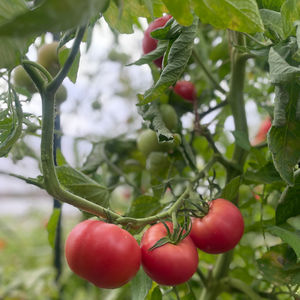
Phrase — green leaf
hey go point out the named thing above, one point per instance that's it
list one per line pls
(290, 12)
(289, 203)
(152, 114)
(279, 266)
(280, 70)
(52, 225)
(140, 285)
(238, 15)
(63, 55)
(60, 159)
(273, 24)
(52, 16)
(231, 189)
(180, 10)
(287, 236)
(284, 141)
(179, 55)
(144, 206)
(156, 294)
(149, 57)
(266, 175)
(10, 133)
(83, 186)
(241, 139)
(124, 19)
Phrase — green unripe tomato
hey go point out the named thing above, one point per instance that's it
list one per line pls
(157, 162)
(147, 142)
(169, 116)
(61, 95)
(22, 79)
(48, 57)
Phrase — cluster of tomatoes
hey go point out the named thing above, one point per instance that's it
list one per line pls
(109, 256)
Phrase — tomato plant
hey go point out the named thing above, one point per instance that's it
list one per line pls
(149, 43)
(102, 253)
(220, 230)
(129, 129)
(170, 264)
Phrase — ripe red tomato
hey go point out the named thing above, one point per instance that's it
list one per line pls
(262, 132)
(186, 90)
(149, 43)
(220, 230)
(102, 253)
(169, 264)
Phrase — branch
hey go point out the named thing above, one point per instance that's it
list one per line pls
(241, 286)
(58, 79)
(207, 73)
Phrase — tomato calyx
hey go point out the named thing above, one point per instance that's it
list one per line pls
(174, 237)
(201, 210)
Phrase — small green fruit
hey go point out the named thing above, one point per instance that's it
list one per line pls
(169, 116)
(22, 79)
(61, 95)
(157, 162)
(48, 57)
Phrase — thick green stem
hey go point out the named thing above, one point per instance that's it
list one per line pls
(237, 105)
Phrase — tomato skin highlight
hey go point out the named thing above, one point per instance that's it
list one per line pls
(102, 253)
(169, 264)
(149, 43)
(186, 90)
(220, 230)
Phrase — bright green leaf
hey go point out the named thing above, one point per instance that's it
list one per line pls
(238, 15)
(180, 10)
(123, 20)
(52, 226)
(290, 12)
(140, 285)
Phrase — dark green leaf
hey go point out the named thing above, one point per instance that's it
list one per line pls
(144, 206)
(140, 285)
(52, 225)
(279, 266)
(280, 71)
(284, 141)
(273, 24)
(267, 175)
(178, 57)
(83, 186)
(289, 204)
(287, 236)
(231, 189)
(52, 16)
(238, 15)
